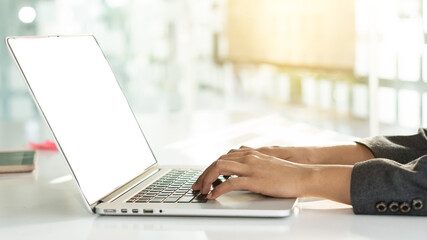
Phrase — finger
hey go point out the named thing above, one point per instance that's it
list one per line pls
(247, 160)
(232, 184)
(232, 150)
(240, 153)
(242, 148)
(237, 156)
(245, 147)
(222, 167)
(198, 184)
(234, 154)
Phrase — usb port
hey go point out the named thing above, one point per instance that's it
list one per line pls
(124, 210)
(134, 210)
(148, 211)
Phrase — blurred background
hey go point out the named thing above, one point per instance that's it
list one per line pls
(353, 66)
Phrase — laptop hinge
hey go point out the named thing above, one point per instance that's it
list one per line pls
(129, 185)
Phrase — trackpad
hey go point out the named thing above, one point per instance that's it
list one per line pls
(241, 196)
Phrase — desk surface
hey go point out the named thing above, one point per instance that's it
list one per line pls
(46, 204)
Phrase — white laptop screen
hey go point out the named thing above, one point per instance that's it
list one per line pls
(82, 102)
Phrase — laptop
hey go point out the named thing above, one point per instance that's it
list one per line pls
(96, 131)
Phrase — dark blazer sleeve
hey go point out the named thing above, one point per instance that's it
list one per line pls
(402, 149)
(395, 182)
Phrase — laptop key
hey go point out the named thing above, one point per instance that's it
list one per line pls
(146, 197)
(156, 200)
(150, 194)
(185, 199)
(170, 200)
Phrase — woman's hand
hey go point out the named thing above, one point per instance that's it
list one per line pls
(257, 172)
(269, 175)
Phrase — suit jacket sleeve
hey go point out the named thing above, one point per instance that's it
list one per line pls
(402, 149)
(395, 182)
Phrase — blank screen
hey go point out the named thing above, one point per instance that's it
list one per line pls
(87, 112)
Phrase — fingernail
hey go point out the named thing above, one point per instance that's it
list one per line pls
(209, 196)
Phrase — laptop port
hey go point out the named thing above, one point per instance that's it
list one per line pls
(110, 210)
(135, 211)
(124, 210)
(148, 211)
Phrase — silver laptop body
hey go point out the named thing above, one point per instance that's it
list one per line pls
(96, 131)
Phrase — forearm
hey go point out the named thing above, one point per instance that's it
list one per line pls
(342, 154)
(329, 182)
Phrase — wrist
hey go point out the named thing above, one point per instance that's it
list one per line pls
(310, 174)
(327, 181)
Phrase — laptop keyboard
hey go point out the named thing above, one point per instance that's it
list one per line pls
(174, 187)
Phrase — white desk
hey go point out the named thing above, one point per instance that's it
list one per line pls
(47, 205)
